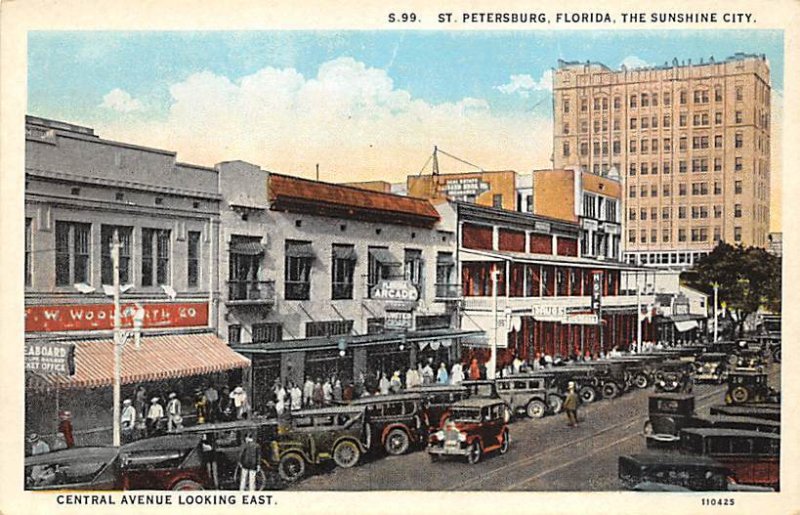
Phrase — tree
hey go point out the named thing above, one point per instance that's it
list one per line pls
(749, 278)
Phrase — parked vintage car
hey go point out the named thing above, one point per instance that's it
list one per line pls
(673, 376)
(668, 413)
(670, 472)
(475, 427)
(535, 395)
(583, 376)
(611, 376)
(746, 386)
(751, 455)
(437, 399)
(751, 358)
(696, 473)
(319, 435)
(745, 423)
(78, 468)
(169, 462)
(486, 389)
(711, 367)
(397, 421)
(765, 411)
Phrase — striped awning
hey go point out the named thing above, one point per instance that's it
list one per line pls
(158, 358)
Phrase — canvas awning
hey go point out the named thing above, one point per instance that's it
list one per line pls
(685, 325)
(344, 252)
(445, 259)
(158, 358)
(384, 256)
(300, 250)
(250, 248)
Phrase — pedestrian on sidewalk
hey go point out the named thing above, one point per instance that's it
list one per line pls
(154, 414)
(212, 398)
(308, 391)
(65, 428)
(296, 397)
(127, 421)
(249, 460)
(174, 419)
(240, 403)
(571, 405)
(141, 402)
(201, 406)
(225, 406)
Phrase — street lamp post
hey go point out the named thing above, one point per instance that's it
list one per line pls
(491, 370)
(117, 339)
(716, 311)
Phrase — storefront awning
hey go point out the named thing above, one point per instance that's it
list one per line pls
(362, 340)
(300, 250)
(385, 257)
(250, 248)
(158, 358)
(341, 252)
(685, 325)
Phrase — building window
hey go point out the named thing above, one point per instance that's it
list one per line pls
(683, 96)
(717, 188)
(737, 164)
(244, 262)
(497, 200)
(155, 256)
(737, 234)
(631, 214)
(584, 126)
(584, 149)
(681, 234)
(343, 265)
(718, 118)
(616, 124)
(28, 263)
(584, 105)
(682, 166)
(739, 93)
(737, 187)
(665, 213)
(632, 169)
(645, 100)
(267, 333)
(413, 267)
(72, 252)
(717, 234)
(644, 146)
(381, 262)
(654, 190)
(234, 334)
(667, 99)
(193, 258)
(718, 141)
(645, 123)
(643, 213)
(565, 149)
(107, 268)
(632, 192)
(738, 118)
(682, 143)
(738, 140)
(597, 104)
(633, 123)
(667, 121)
(653, 236)
(643, 169)
(666, 166)
(682, 119)
(665, 235)
(376, 325)
(328, 328)
(631, 236)
(617, 102)
(566, 105)
(682, 212)
(718, 94)
(615, 146)
(643, 190)
(667, 190)
(632, 146)
(737, 210)
(717, 211)
(633, 101)
(596, 149)
(297, 276)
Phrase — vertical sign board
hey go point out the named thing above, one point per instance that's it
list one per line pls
(597, 290)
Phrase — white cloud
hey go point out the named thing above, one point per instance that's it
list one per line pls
(523, 84)
(121, 101)
(349, 118)
(633, 61)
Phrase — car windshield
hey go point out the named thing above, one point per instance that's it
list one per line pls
(466, 415)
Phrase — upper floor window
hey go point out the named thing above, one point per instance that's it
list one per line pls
(155, 256)
(344, 265)
(193, 258)
(299, 259)
(72, 252)
(107, 268)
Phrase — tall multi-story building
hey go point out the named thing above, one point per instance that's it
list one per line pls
(690, 141)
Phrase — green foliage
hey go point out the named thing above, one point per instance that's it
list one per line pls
(749, 278)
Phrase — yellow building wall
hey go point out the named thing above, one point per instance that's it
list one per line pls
(554, 194)
(381, 186)
(456, 186)
(600, 185)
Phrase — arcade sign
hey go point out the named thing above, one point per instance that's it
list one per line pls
(395, 290)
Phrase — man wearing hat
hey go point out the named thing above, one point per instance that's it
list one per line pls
(38, 446)
(240, 403)
(127, 420)
(174, 419)
(65, 428)
(249, 460)
(571, 405)
(154, 414)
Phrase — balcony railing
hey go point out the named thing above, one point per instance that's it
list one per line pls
(448, 291)
(251, 292)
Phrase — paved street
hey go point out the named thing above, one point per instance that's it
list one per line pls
(545, 455)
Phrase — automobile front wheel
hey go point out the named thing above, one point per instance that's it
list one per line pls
(504, 445)
(346, 454)
(641, 381)
(740, 394)
(397, 442)
(536, 409)
(610, 390)
(474, 455)
(587, 394)
(292, 467)
(186, 485)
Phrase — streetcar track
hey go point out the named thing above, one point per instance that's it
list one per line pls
(580, 458)
(527, 461)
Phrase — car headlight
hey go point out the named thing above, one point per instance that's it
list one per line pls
(662, 383)
(462, 437)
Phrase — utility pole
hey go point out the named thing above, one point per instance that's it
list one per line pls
(117, 338)
(716, 312)
(638, 316)
(491, 370)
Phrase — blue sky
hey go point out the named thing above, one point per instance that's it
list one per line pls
(363, 104)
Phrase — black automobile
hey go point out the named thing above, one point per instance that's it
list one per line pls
(486, 389)
(744, 423)
(437, 399)
(750, 386)
(78, 468)
(673, 376)
(582, 376)
(668, 413)
(397, 421)
(677, 472)
(765, 411)
(533, 394)
(711, 367)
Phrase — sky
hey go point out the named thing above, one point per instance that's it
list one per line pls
(365, 105)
